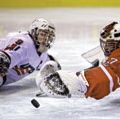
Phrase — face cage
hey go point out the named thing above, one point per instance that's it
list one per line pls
(55, 84)
(109, 46)
(49, 41)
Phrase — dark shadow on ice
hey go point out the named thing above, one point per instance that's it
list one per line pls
(17, 87)
(115, 102)
(11, 89)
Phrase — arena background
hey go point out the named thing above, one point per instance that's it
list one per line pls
(58, 3)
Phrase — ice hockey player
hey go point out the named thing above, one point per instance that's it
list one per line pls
(24, 52)
(96, 82)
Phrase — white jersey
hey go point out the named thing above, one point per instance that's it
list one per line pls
(24, 57)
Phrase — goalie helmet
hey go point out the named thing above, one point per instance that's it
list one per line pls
(110, 38)
(63, 84)
(43, 34)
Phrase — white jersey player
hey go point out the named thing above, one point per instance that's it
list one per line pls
(22, 53)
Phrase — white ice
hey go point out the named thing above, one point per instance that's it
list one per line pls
(77, 31)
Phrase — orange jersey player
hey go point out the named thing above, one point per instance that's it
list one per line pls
(95, 82)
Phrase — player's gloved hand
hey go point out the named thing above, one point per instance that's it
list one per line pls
(4, 63)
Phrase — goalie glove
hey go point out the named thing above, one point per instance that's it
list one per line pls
(4, 63)
(48, 68)
(63, 84)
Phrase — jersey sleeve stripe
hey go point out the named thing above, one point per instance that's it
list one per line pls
(109, 76)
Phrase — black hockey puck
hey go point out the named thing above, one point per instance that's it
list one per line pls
(35, 103)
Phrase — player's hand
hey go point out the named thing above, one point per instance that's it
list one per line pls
(4, 63)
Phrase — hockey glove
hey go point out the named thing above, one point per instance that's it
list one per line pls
(4, 63)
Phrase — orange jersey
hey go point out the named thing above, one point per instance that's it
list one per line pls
(104, 79)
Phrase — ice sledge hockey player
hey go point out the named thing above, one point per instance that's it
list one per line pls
(24, 52)
(95, 82)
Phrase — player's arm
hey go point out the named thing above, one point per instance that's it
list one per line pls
(17, 51)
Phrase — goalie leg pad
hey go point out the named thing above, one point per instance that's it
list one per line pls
(48, 68)
(53, 86)
(63, 84)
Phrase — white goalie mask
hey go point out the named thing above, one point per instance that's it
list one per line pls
(110, 38)
(43, 34)
(63, 84)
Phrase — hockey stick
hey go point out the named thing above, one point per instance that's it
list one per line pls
(94, 55)
(95, 63)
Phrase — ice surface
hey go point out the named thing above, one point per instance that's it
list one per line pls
(77, 31)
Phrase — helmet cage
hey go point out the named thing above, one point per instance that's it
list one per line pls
(51, 36)
(110, 38)
(42, 25)
(109, 46)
